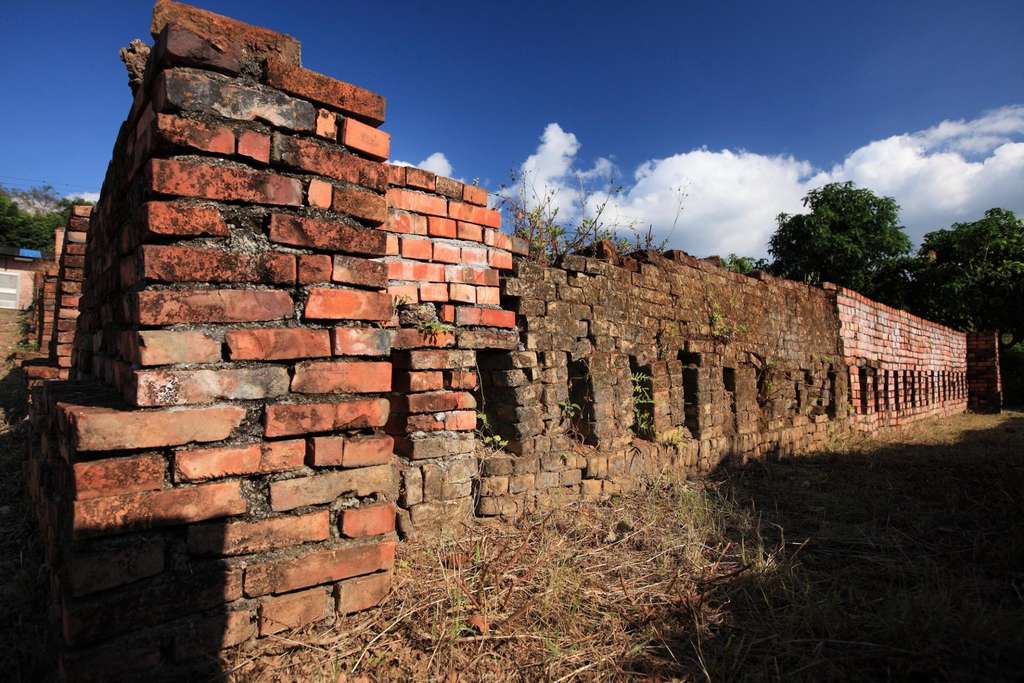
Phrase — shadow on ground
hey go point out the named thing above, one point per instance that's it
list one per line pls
(886, 561)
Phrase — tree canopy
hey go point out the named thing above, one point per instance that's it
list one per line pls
(851, 236)
(28, 218)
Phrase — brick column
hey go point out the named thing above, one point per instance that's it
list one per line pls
(984, 384)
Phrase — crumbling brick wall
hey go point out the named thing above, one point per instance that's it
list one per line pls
(901, 368)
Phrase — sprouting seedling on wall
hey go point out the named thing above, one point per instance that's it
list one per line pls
(643, 402)
(486, 434)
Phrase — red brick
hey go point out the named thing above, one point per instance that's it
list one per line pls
(497, 239)
(321, 566)
(447, 253)
(117, 514)
(488, 295)
(174, 130)
(427, 380)
(300, 231)
(417, 249)
(361, 341)
(474, 214)
(362, 204)
(348, 304)
(177, 46)
(420, 179)
(463, 293)
(181, 387)
(350, 270)
(474, 195)
(328, 486)
(356, 595)
(411, 338)
(190, 178)
(392, 245)
(417, 272)
(278, 343)
(406, 223)
(481, 277)
(367, 450)
(212, 306)
(369, 520)
(242, 538)
(419, 423)
(462, 379)
(417, 202)
(96, 571)
(295, 610)
(474, 256)
(168, 263)
(315, 268)
(321, 89)
(354, 377)
(500, 259)
(404, 294)
(307, 154)
(327, 124)
(176, 218)
(327, 451)
(440, 227)
(286, 419)
(489, 317)
(258, 458)
(440, 402)
(106, 429)
(224, 32)
(118, 475)
(433, 291)
(166, 347)
(429, 359)
(460, 420)
(366, 139)
(319, 194)
(254, 145)
(396, 175)
(468, 231)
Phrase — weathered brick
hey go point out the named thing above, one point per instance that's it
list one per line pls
(255, 146)
(351, 270)
(370, 449)
(369, 520)
(286, 419)
(283, 612)
(417, 202)
(190, 178)
(323, 377)
(323, 488)
(347, 304)
(243, 538)
(203, 92)
(447, 253)
(362, 204)
(427, 380)
(318, 567)
(95, 571)
(481, 277)
(433, 291)
(117, 514)
(309, 155)
(174, 130)
(168, 263)
(180, 387)
(474, 256)
(405, 223)
(420, 179)
(301, 231)
(278, 343)
(361, 341)
(417, 249)
(177, 46)
(327, 124)
(474, 214)
(499, 259)
(438, 360)
(324, 90)
(315, 269)
(118, 475)
(258, 458)
(411, 338)
(106, 429)
(179, 219)
(166, 347)
(475, 195)
(366, 139)
(319, 194)
(410, 270)
(364, 592)
(440, 401)
(469, 231)
(489, 317)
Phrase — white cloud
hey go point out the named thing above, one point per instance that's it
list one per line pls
(435, 163)
(87, 196)
(950, 172)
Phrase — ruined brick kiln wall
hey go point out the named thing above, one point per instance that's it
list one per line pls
(217, 470)
(901, 368)
(731, 365)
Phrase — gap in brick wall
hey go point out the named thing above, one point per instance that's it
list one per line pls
(580, 407)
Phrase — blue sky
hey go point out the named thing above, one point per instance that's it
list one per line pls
(741, 105)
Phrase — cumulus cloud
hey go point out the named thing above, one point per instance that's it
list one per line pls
(87, 196)
(950, 172)
(435, 163)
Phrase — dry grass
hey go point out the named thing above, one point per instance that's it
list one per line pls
(893, 558)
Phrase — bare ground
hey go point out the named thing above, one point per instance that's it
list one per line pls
(900, 557)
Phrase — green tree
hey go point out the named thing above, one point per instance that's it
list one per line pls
(851, 237)
(744, 265)
(28, 218)
(971, 276)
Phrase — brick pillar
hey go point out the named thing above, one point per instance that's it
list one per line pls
(70, 274)
(984, 385)
(217, 469)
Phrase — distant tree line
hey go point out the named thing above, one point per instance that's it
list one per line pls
(28, 218)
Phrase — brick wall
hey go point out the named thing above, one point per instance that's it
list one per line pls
(283, 343)
(900, 367)
(985, 386)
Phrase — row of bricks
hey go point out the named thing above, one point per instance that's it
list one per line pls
(446, 252)
(89, 619)
(406, 222)
(417, 178)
